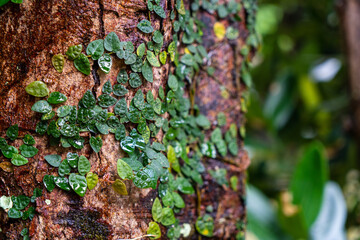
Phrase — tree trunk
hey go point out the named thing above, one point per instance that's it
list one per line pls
(32, 32)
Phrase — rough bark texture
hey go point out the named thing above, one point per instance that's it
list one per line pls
(350, 16)
(35, 30)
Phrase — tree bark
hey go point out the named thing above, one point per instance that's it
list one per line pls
(32, 33)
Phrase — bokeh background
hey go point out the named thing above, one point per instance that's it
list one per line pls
(304, 179)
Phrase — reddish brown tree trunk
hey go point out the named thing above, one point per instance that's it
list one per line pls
(35, 30)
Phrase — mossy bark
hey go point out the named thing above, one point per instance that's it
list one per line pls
(32, 32)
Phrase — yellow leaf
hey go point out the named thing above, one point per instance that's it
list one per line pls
(219, 30)
(119, 187)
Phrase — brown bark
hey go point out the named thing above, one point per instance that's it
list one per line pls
(350, 16)
(35, 30)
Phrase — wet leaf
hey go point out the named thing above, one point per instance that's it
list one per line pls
(49, 183)
(48, 116)
(208, 149)
(28, 140)
(41, 106)
(78, 184)
(106, 100)
(58, 62)
(9, 151)
(168, 217)
(135, 80)
(88, 100)
(64, 168)
(63, 111)
(72, 159)
(13, 132)
(112, 42)
(69, 130)
(154, 230)
(92, 179)
(96, 143)
(128, 144)
(18, 160)
(37, 89)
(145, 178)
(119, 187)
(145, 26)
(95, 49)
(84, 165)
(63, 183)
(205, 225)
(124, 170)
(147, 72)
(150, 56)
(82, 64)
(28, 151)
(20, 202)
(121, 107)
(74, 52)
(105, 63)
(56, 98)
(122, 77)
(54, 160)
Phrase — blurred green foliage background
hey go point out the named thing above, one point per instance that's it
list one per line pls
(299, 128)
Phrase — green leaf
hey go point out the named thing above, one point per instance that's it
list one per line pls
(121, 107)
(172, 50)
(234, 183)
(156, 210)
(158, 146)
(28, 151)
(106, 100)
(74, 52)
(84, 165)
(3, 2)
(56, 98)
(78, 184)
(13, 132)
(141, 50)
(184, 186)
(178, 201)
(69, 130)
(28, 140)
(122, 77)
(138, 99)
(161, 92)
(72, 159)
(63, 183)
(107, 88)
(187, 59)
(202, 121)
(120, 133)
(92, 179)
(145, 26)
(124, 170)
(37, 89)
(9, 151)
(147, 72)
(150, 56)
(64, 168)
(308, 181)
(20, 202)
(95, 49)
(128, 144)
(135, 80)
(171, 156)
(232, 33)
(48, 116)
(96, 143)
(120, 90)
(105, 63)
(168, 217)
(82, 64)
(208, 149)
(41, 106)
(58, 62)
(49, 183)
(13, 213)
(159, 11)
(154, 230)
(162, 57)
(180, 7)
(64, 111)
(54, 160)
(173, 82)
(205, 225)
(158, 37)
(120, 187)
(131, 59)
(112, 42)
(88, 100)
(168, 200)
(18, 160)
(145, 178)
(219, 175)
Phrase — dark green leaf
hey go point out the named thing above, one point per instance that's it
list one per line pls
(69, 130)
(28, 151)
(121, 107)
(18, 160)
(184, 185)
(20, 202)
(128, 144)
(49, 183)
(135, 80)
(120, 90)
(28, 140)
(120, 133)
(13, 213)
(107, 88)
(9, 151)
(96, 143)
(13, 132)
(173, 82)
(37, 89)
(95, 49)
(159, 11)
(82, 64)
(178, 201)
(62, 182)
(112, 42)
(56, 98)
(122, 77)
(147, 72)
(64, 168)
(48, 116)
(168, 217)
(78, 184)
(72, 159)
(88, 100)
(205, 225)
(145, 26)
(54, 160)
(145, 178)
(106, 100)
(158, 37)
